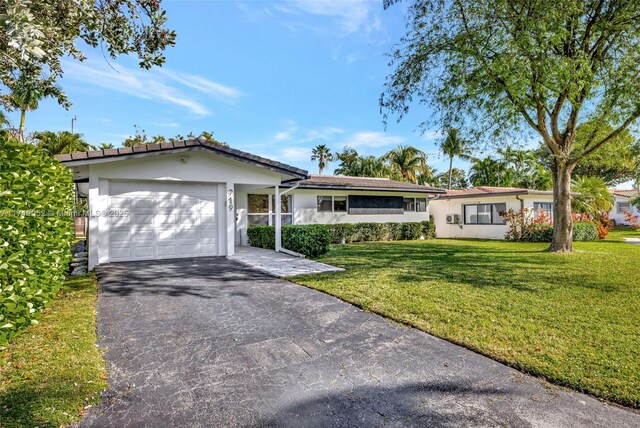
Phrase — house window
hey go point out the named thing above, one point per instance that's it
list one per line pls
(623, 206)
(484, 214)
(547, 207)
(418, 205)
(337, 204)
(261, 210)
(340, 204)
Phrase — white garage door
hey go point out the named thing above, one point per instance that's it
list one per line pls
(165, 220)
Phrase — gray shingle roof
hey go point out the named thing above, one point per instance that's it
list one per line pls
(80, 158)
(341, 182)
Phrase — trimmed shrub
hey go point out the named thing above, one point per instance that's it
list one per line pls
(362, 232)
(311, 240)
(585, 231)
(36, 203)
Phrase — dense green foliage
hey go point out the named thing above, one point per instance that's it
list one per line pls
(53, 370)
(499, 67)
(572, 319)
(310, 240)
(594, 198)
(55, 143)
(36, 221)
(36, 35)
(527, 226)
(358, 232)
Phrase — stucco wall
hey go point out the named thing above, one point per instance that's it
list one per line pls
(619, 217)
(200, 167)
(305, 209)
(440, 208)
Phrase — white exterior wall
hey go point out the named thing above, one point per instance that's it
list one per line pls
(200, 167)
(305, 209)
(440, 208)
(619, 217)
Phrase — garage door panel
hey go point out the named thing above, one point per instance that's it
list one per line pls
(120, 221)
(166, 251)
(144, 204)
(165, 220)
(143, 251)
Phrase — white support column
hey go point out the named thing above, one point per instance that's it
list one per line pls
(278, 219)
(230, 217)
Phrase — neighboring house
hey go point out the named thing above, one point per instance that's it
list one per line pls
(196, 198)
(623, 203)
(475, 212)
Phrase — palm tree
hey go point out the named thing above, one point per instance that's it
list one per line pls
(409, 162)
(594, 199)
(62, 142)
(105, 146)
(453, 146)
(323, 155)
(26, 93)
(490, 172)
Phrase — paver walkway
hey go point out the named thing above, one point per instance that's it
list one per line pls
(279, 264)
(210, 342)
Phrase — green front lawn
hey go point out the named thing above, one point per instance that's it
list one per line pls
(53, 370)
(571, 318)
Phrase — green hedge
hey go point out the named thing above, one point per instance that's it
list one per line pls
(311, 240)
(358, 232)
(543, 232)
(36, 200)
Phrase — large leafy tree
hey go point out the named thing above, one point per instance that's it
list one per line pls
(500, 65)
(408, 161)
(454, 146)
(323, 155)
(615, 162)
(36, 35)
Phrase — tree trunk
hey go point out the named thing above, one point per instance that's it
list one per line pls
(562, 241)
(23, 114)
(450, 170)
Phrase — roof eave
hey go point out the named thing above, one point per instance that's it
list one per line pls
(94, 157)
(374, 189)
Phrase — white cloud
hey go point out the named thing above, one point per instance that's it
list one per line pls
(283, 136)
(306, 135)
(431, 135)
(295, 154)
(157, 85)
(373, 139)
(211, 88)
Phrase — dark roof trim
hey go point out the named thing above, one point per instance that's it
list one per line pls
(371, 189)
(108, 155)
(510, 193)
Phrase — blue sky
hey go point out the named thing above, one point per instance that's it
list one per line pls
(274, 78)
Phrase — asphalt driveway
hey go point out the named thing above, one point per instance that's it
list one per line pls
(210, 342)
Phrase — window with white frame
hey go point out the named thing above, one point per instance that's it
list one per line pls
(547, 207)
(484, 213)
(261, 209)
(418, 205)
(336, 204)
(622, 207)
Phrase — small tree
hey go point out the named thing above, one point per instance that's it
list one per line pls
(499, 65)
